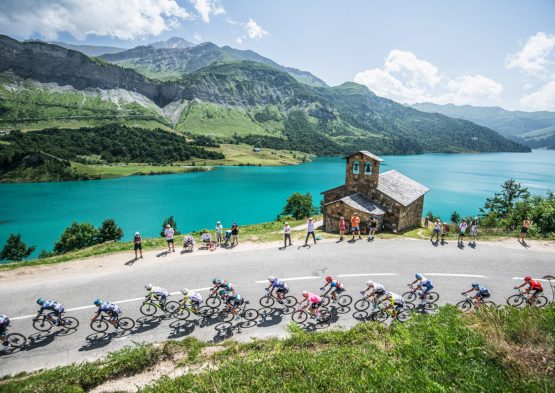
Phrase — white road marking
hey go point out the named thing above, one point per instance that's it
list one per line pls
(118, 302)
(367, 274)
(288, 279)
(522, 279)
(454, 275)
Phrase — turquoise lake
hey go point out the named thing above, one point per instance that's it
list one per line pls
(247, 195)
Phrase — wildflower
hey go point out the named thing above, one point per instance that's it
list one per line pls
(544, 359)
(485, 353)
(460, 353)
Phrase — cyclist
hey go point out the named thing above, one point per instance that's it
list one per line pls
(220, 284)
(314, 301)
(534, 286)
(335, 285)
(233, 301)
(397, 303)
(483, 293)
(159, 293)
(378, 290)
(195, 299)
(4, 323)
(424, 282)
(109, 308)
(55, 308)
(281, 288)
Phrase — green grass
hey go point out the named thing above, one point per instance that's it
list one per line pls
(496, 350)
(108, 172)
(243, 154)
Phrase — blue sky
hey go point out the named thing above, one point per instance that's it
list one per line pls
(487, 53)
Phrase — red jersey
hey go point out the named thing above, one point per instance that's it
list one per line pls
(535, 285)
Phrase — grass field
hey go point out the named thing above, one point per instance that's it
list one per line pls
(69, 123)
(243, 154)
(109, 172)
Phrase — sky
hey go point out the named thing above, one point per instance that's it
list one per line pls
(482, 53)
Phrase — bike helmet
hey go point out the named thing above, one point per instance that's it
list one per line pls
(185, 291)
(215, 281)
(418, 275)
(148, 287)
(368, 283)
(527, 278)
(40, 301)
(388, 294)
(328, 278)
(305, 293)
(475, 285)
(271, 278)
(97, 302)
(222, 292)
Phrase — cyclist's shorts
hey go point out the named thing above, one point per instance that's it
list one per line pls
(338, 290)
(484, 295)
(195, 303)
(4, 325)
(283, 290)
(314, 306)
(536, 292)
(427, 289)
(113, 316)
(379, 293)
(236, 304)
(161, 298)
(55, 313)
(399, 306)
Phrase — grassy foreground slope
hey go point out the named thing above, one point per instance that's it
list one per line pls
(497, 350)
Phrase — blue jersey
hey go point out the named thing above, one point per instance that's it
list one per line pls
(336, 284)
(50, 305)
(108, 307)
(482, 289)
(425, 282)
(279, 283)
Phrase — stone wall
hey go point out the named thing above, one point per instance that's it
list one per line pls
(412, 214)
(339, 209)
(334, 194)
(361, 182)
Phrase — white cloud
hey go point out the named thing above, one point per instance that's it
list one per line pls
(422, 83)
(239, 40)
(197, 37)
(532, 59)
(255, 31)
(542, 100)
(527, 86)
(123, 19)
(207, 7)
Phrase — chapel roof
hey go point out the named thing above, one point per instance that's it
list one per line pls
(362, 203)
(368, 154)
(400, 188)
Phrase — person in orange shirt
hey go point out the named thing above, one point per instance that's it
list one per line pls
(355, 225)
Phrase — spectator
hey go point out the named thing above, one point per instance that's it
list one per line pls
(138, 240)
(219, 229)
(463, 227)
(189, 242)
(168, 232)
(437, 227)
(310, 230)
(341, 228)
(287, 231)
(525, 225)
(373, 225)
(474, 229)
(354, 225)
(444, 229)
(426, 222)
(234, 234)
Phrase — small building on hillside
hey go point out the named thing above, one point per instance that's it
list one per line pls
(256, 150)
(395, 199)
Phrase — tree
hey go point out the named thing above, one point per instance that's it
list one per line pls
(76, 237)
(171, 222)
(299, 205)
(46, 254)
(109, 231)
(15, 250)
(455, 217)
(504, 201)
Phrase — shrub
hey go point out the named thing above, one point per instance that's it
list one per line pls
(109, 231)
(299, 205)
(15, 250)
(76, 237)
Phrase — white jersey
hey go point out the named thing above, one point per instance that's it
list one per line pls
(398, 298)
(425, 282)
(159, 291)
(378, 287)
(194, 296)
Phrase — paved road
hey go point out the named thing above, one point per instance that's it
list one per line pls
(390, 262)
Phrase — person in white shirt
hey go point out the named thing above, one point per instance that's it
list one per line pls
(310, 230)
(463, 227)
(287, 231)
(474, 229)
(219, 230)
(437, 227)
(168, 232)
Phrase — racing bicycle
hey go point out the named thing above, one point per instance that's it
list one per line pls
(431, 297)
(15, 340)
(184, 311)
(151, 306)
(520, 299)
(342, 300)
(382, 315)
(250, 314)
(468, 303)
(269, 300)
(300, 316)
(43, 324)
(101, 324)
(363, 304)
(214, 301)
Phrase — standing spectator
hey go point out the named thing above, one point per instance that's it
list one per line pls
(219, 229)
(310, 230)
(474, 229)
(168, 232)
(354, 225)
(341, 228)
(444, 230)
(235, 234)
(373, 225)
(287, 231)
(426, 222)
(525, 225)
(463, 227)
(437, 227)
(138, 240)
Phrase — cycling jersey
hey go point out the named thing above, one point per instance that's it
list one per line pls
(535, 285)
(50, 305)
(108, 308)
(194, 297)
(425, 282)
(278, 283)
(336, 284)
(397, 299)
(313, 298)
(378, 287)
(224, 285)
(482, 290)
(4, 320)
(158, 292)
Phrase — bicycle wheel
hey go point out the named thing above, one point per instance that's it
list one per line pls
(226, 316)
(70, 322)
(99, 325)
(409, 297)
(432, 297)
(325, 300)
(267, 301)
(299, 316)
(403, 316)
(250, 314)
(541, 301)
(206, 311)
(148, 309)
(326, 314)
(183, 313)
(464, 305)
(42, 325)
(362, 304)
(380, 316)
(344, 300)
(126, 323)
(16, 340)
(213, 302)
(171, 307)
(290, 301)
(515, 300)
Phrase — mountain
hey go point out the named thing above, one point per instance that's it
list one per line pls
(535, 129)
(89, 50)
(43, 85)
(173, 43)
(164, 63)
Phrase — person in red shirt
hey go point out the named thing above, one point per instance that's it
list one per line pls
(534, 286)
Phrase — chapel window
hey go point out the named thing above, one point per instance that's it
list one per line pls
(355, 167)
(368, 168)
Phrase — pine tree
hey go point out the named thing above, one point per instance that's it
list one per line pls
(171, 222)
(15, 250)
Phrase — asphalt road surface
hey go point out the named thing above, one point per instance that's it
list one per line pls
(392, 263)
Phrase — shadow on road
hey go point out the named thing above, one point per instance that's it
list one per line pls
(270, 317)
(96, 341)
(145, 324)
(42, 339)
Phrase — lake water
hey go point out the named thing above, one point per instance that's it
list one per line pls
(247, 195)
